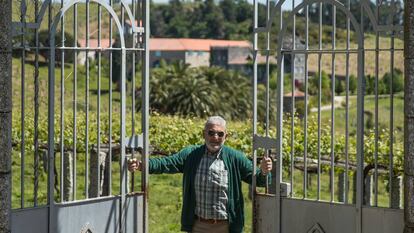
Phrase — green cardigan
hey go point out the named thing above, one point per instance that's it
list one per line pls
(187, 160)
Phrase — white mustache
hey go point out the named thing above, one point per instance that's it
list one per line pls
(214, 143)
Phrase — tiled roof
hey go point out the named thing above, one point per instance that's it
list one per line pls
(179, 44)
(187, 44)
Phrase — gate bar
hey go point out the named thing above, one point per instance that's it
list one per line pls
(292, 100)
(254, 92)
(319, 100)
(98, 167)
(332, 175)
(62, 107)
(145, 108)
(22, 96)
(348, 35)
(391, 146)
(75, 94)
(5, 114)
(36, 97)
(87, 103)
(409, 116)
(305, 121)
(110, 100)
(376, 111)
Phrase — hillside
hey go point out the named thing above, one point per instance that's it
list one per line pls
(167, 20)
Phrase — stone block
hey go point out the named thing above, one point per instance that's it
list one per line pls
(409, 200)
(5, 142)
(5, 82)
(409, 86)
(409, 147)
(5, 202)
(409, 28)
(5, 23)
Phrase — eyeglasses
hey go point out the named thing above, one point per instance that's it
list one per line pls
(211, 133)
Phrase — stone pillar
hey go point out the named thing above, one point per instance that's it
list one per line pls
(97, 159)
(5, 115)
(409, 116)
(68, 178)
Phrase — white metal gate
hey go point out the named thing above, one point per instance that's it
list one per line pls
(338, 150)
(82, 68)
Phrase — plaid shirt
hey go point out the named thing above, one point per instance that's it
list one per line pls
(211, 187)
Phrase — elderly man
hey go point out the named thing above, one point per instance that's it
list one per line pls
(212, 175)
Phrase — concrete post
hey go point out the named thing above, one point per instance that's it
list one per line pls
(367, 190)
(68, 178)
(409, 116)
(341, 186)
(96, 180)
(396, 192)
(5, 115)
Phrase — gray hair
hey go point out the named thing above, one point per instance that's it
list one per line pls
(215, 120)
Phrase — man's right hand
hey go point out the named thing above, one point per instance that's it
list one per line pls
(134, 164)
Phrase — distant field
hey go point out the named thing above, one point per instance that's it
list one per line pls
(384, 58)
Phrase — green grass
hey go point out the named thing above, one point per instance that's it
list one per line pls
(325, 190)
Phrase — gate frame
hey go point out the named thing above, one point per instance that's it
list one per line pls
(265, 142)
(50, 210)
(51, 111)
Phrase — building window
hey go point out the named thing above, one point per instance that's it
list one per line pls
(158, 53)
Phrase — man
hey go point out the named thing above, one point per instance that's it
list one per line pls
(212, 175)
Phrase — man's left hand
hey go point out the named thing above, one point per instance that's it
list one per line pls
(266, 165)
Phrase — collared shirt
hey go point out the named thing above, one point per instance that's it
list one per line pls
(211, 187)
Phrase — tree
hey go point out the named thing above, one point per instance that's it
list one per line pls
(180, 89)
(369, 85)
(339, 87)
(352, 84)
(325, 86)
(397, 81)
(229, 9)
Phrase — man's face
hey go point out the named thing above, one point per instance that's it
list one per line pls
(214, 136)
